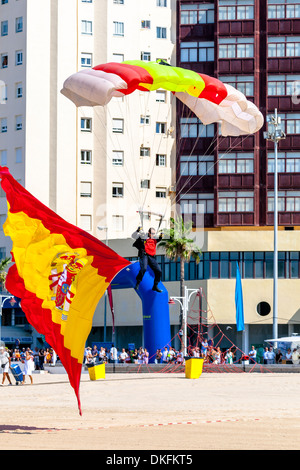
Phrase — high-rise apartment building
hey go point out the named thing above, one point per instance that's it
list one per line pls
(95, 167)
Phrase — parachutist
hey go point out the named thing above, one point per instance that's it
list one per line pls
(146, 245)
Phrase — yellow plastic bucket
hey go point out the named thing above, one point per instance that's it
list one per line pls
(97, 372)
(193, 367)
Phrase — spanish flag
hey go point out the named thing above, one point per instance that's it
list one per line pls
(60, 272)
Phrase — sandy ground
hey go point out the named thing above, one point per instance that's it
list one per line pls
(247, 411)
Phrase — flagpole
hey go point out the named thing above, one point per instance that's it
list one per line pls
(105, 294)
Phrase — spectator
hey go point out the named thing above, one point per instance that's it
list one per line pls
(41, 358)
(295, 356)
(146, 356)
(204, 347)
(252, 355)
(229, 357)
(95, 351)
(271, 356)
(123, 356)
(113, 354)
(266, 355)
(288, 357)
(170, 355)
(36, 358)
(164, 357)
(102, 355)
(278, 357)
(134, 356)
(28, 365)
(158, 356)
(5, 361)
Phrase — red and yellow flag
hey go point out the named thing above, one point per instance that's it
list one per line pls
(60, 272)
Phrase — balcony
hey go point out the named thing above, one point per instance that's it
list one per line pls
(284, 26)
(284, 218)
(238, 66)
(284, 65)
(235, 218)
(236, 27)
(236, 181)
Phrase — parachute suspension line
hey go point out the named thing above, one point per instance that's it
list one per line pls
(159, 145)
(129, 133)
(127, 170)
(132, 195)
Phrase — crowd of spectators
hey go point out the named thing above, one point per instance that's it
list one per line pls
(40, 356)
(166, 355)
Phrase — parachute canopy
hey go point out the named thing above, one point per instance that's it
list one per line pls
(210, 99)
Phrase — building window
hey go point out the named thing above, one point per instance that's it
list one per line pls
(195, 51)
(4, 28)
(146, 56)
(118, 223)
(3, 92)
(288, 201)
(19, 57)
(161, 33)
(236, 163)
(145, 24)
(86, 27)
(283, 9)
(86, 124)
(87, 1)
(192, 127)
(86, 157)
(117, 190)
(3, 157)
(145, 184)
(118, 126)
(85, 189)
(3, 127)
(236, 10)
(283, 85)
(160, 96)
(194, 165)
(232, 48)
(236, 201)
(19, 24)
(118, 57)
(145, 119)
(161, 159)
(161, 3)
(161, 127)
(19, 90)
(197, 13)
(86, 59)
(19, 123)
(144, 152)
(118, 28)
(287, 162)
(284, 46)
(3, 2)
(161, 193)
(197, 203)
(118, 158)
(243, 83)
(118, 2)
(86, 222)
(4, 61)
(290, 123)
(19, 155)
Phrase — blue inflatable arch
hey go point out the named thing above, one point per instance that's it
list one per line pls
(156, 316)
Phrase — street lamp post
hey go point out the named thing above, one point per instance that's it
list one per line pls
(184, 303)
(275, 135)
(3, 298)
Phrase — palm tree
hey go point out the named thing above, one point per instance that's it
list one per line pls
(178, 243)
(3, 265)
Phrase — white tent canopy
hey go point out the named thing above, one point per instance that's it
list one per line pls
(285, 339)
